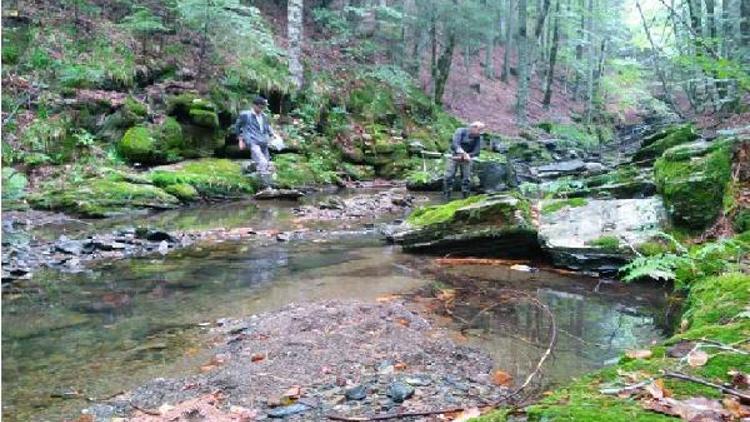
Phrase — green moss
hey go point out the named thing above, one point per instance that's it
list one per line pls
(440, 213)
(212, 178)
(373, 103)
(652, 248)
(557, 205)
(492, 156)
(183, 191)
(657, 144)
(204, 118)
(608, 243)
(170, 133)
(693, 189)
(135, 107)
(741, 221)
(99, 197)
(138, 146)
(717, 300)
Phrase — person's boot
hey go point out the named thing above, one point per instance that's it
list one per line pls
(446, 192)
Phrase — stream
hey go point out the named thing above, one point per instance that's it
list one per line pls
(93, 334)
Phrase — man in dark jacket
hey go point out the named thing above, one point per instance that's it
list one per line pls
(254, 131)
(465, 146)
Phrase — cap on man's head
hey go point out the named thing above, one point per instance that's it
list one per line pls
(477, 124)
(260, 101)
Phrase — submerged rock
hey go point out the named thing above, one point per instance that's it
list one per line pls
(292, 409)
(483, 225)
(598, 235)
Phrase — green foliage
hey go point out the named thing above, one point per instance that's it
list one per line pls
(143, 23)
(683, 265)
(14, 184)
(204, 118)
(656, 144)
(717, 300)
(138, 146)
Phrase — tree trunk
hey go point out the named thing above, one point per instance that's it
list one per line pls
(508, 42)
(745, 23)
(579, 50)
(590, 56)
(433, 51)
(523, 65)
(659, 73)
(444, 68)
(294, 33)
(552, 58)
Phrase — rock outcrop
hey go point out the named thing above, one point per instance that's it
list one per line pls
(483, 225)
(598, 235)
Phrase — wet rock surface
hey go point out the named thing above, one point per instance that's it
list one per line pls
(307, 362)
(599, 235)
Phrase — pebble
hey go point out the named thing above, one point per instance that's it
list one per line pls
(398, 391)
(292, 409)
(358, 392)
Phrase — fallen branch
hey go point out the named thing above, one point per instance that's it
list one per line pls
(386, 416)
(723, 389)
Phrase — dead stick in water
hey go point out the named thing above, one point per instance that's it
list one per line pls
(723, 389)
(478, 261)
(386, 416)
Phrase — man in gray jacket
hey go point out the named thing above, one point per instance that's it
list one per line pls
(254, 131)
(465, 146)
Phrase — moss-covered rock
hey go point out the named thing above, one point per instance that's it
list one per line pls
(482, 225)
(693, 187)
(211, 178)
(297, 171)
(183, 191)
(139, 146)
(653, 146)
(358, 172)
(102, 197)
(204, 118)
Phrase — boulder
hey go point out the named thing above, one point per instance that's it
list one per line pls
(653, 146)
(598, 234)
(693, 178)
(482, 225)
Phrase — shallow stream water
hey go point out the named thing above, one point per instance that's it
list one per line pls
(108, 329)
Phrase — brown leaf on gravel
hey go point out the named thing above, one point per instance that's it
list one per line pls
(257, 357)
(638, 354)
(403, 321)
(697, 358)
(201, 408)
(502, 378)
(293, 392)
(400, 366)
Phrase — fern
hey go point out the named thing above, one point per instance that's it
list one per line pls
(657, 267)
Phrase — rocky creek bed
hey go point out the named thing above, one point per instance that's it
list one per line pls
(349, 359)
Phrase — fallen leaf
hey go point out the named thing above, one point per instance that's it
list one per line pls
(446, 295)
(733, 405)
(692, 409)
(257, 357)
(467, 414)
(400, 366)
(502, 378)
(681, 349)
(403, 321)
(294, 392)
(697, 358)
(207, 368)
(639, 354)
